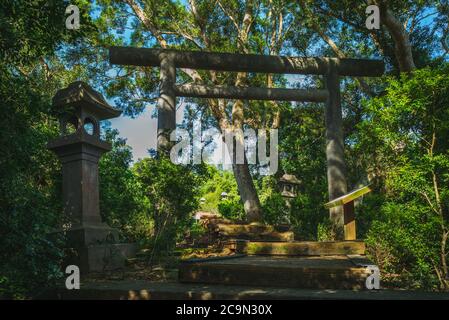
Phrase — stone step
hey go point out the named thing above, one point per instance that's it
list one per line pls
(152, 290)
(328, 272)
(132, 261)
(297, 248)
(252, 232)
(143, 252)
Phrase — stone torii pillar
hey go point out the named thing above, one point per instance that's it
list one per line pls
(166, 104)
(335, 153)
(94, 243)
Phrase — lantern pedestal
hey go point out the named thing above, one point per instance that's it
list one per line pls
(92, 244)
(100, 257)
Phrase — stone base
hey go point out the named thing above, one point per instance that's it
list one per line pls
(253, 232)
(90, 234)
(102, 257)
(297, 248)
(157, 290)
(93, 247)
(308, 272)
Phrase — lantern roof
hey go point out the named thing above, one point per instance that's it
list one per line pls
(80, 95)
(290, 178)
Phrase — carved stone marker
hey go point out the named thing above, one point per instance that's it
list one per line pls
(80, 109)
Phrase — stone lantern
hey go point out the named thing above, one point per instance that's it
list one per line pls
(289, 186)
(79, 148)
(224, 195)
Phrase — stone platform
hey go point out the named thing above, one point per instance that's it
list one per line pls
(100, 257)
(297, 248)
(146, 290)
(253, 231)
(299, 273)
(325, 272)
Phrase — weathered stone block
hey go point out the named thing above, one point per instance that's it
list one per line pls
(102, 257)
(252, 232)
(333, 272)
(299, 248)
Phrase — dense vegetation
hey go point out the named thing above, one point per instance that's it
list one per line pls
(396, 127)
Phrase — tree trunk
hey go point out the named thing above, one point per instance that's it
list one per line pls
(247, 192)
(242, 175)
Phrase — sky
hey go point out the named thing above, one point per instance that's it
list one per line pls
(141, 132)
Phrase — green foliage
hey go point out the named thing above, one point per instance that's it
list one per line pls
(405, 140)
(196, 230)
(231, 209)
(402, 141)
(29, 182)
(122, 201)
(172, 196)
(302, 146)
(273, 204)
(211, 190)
(30, 29)
(404, 241)
(325, 231)
(30, 198)
(274, 209)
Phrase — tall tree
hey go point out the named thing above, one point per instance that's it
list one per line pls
(230, 26)
(411, 31)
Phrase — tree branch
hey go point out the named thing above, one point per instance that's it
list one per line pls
(403, 48)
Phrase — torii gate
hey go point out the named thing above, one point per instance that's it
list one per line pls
(331, 68)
